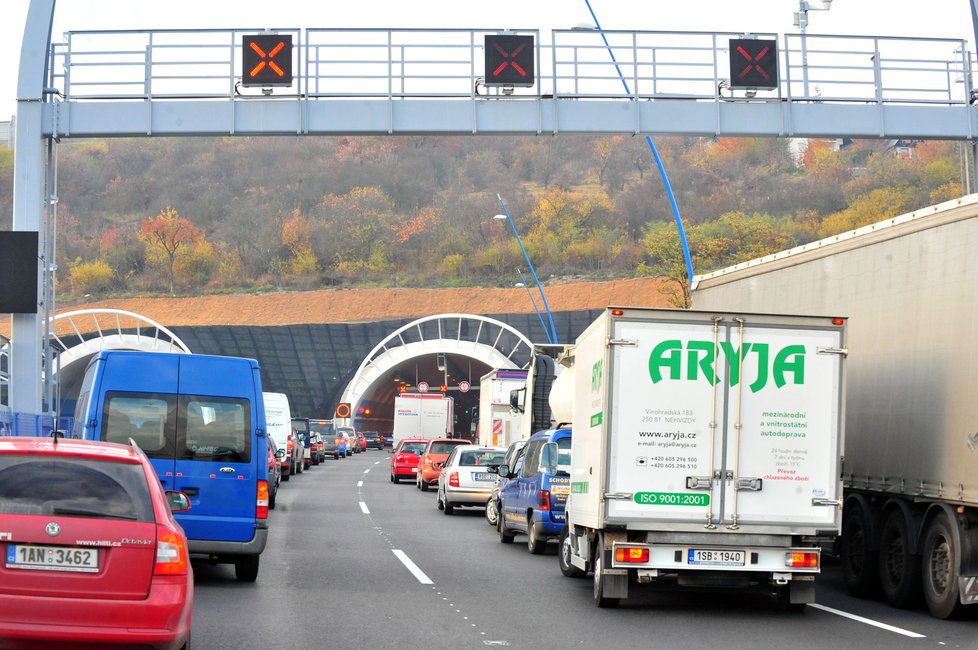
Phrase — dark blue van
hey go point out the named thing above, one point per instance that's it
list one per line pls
(201, 421)
(534, 497)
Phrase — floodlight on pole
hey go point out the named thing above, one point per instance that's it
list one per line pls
(801, 22)
(543, 297)
(522, 285)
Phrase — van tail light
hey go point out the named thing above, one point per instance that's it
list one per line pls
(544, 500)
(801, 560)
(336, 441)
(453, 479)
(632, 554)
(171, 553)
(262, 500)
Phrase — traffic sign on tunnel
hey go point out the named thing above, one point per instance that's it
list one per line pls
(266, 60)
(753, 63)
(509, 60)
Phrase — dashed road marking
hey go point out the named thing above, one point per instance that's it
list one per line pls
(412, 567)
(867, 621)
(359, 483)
(363, 508)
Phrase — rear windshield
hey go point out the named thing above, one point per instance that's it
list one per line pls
(193, 427)
(413, 447)
(75, 488)
(444, 447)
(323, 428)
(481, 458)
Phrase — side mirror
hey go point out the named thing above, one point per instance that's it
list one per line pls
(503, 470)
(280, 453)
(178, 501)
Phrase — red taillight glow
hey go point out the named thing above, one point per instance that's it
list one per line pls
(544, 500)
(171, 553)
(838, 322)
(261, 511)
(336, 441)
(617, 312)
(453, 479)
(633, 554)
(801, 560)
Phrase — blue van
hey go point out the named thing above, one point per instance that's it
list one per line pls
(201, 421)
(534, 497)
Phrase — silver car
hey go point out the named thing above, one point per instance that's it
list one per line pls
(467, 476)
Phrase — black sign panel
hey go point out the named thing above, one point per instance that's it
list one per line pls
(509, 60)
(266, 60)
(18, 272)
(753, 63)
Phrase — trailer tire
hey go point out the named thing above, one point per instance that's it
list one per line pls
(564, 555)
(860, 565)
(939, 568)
(599, 598)
(899, 569)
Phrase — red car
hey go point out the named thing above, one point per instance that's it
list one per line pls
(432, 458)
(91, 554)
(404, 458)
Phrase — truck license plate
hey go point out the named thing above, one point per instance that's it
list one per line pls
(713, 557)
(52, 558)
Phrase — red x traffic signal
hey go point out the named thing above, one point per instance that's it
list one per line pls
(509, 60)
(753, 63)
(266, 60)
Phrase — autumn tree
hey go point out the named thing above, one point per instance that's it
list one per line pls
(165, 236)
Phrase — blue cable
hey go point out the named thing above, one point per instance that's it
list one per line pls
(655, 154)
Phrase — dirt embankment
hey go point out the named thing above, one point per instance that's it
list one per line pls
(364, 305)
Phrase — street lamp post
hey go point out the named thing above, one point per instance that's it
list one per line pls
(801, 21)
(522, 285)
(552, 333)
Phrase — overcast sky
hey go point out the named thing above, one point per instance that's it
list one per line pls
(933, 18)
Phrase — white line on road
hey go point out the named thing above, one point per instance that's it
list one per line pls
(359, 483)
(363, 508)
(412, 567)
(366, 471)
(867, 621)
(377, 463)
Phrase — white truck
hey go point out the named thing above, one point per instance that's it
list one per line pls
(910, 287)
(706, 450)
(423, 415)
(499, 423)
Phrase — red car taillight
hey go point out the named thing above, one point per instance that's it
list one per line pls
(337, 442)
(262, 500)
(544, 500)
(171, 553)
(453, 479)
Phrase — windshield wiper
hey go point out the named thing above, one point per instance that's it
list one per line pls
(85, 512)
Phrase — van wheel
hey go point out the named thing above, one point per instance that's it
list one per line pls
(246, 568)
(564, 555)
(505, 537)
(939, 567)
(534, 544)
(899, 570)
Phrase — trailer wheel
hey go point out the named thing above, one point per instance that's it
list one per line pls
(599, 598)
(899, 570)
(939, 568)
(564, 555)
(860, 566)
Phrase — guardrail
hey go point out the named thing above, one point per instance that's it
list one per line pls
(447, 63)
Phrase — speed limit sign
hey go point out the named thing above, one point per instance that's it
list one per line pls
(422, 387)
(464, 386)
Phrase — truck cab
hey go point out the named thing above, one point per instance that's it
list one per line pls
(535, 489)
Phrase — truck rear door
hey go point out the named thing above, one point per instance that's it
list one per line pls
(732, 421)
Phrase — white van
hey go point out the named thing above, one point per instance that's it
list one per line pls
(278, 419)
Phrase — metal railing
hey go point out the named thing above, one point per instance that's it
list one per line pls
(447, 63)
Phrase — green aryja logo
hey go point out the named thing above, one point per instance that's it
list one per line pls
(596, 376)
(668, 358)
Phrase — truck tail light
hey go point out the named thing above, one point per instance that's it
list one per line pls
(632, 554)
(543, 500)
(801, 560)
(453, 479)
(262, 500)
(171, 553)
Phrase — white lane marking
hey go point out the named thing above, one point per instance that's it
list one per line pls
(412, 567)
(366, 471)
(363, 508)
(359, 483)
(867, 621)
(377, 463)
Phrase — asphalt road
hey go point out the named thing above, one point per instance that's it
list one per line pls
(332, 576)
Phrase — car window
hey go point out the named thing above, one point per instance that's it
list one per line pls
(564, 452)
(451, 457)
(147, 418)
(481, 458)
(531, 464)
(413, 448)
(443, 447)
(518, 466)
(215, 428)
(78, 488)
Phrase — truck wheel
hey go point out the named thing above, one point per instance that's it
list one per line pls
(505, 537)
(534, 544)
(899, 570)
(860, 566)
(492, 512)
(246, 568)
(599, 598)
(564, 551)
(939, 569)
